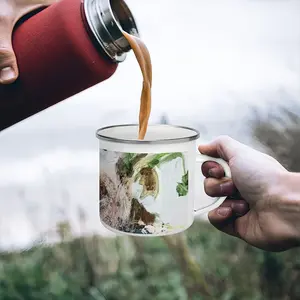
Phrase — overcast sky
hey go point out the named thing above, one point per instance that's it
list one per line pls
(213, 60)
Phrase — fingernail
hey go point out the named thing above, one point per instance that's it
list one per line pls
(224, 211)
(213, 172)
(240, 208)
(226, 188)
(7, 74)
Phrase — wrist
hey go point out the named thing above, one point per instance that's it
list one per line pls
(288, 204)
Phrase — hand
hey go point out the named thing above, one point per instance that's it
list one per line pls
(10, 12)
(265, 206)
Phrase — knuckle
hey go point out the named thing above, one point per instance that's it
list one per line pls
(211, 187)
(223, 139)
(206, 186)
(208, 191)
(5, 16)
(6, 50)
(7, 58)
(222, 145)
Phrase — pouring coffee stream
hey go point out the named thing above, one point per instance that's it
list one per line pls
(143, 57)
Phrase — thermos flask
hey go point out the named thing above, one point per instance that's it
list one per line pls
(62, 50)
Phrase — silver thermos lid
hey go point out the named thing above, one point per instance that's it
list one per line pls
(107, 19)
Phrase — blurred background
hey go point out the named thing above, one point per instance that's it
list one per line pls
(221, 66)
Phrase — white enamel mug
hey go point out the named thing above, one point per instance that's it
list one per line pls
(147, 188)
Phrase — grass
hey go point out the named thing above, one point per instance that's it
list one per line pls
(140, 269)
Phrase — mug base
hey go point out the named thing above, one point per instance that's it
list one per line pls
(119, 232)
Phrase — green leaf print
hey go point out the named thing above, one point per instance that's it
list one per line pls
(183, 187)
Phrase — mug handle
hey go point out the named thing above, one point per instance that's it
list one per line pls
(201, 159)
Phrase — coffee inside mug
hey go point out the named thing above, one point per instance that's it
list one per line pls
(148, 187)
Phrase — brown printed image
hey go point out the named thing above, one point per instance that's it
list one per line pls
(131, 190)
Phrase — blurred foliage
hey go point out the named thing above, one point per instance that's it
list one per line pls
(144, 268)
(279, 131)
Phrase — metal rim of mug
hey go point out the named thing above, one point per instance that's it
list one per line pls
(140, 142)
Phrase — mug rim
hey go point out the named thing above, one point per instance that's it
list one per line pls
(158, 141)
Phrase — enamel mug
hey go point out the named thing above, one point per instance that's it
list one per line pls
(148, 187)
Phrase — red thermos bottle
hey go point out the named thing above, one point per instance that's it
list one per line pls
(63, 50)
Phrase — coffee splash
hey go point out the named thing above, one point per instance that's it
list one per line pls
(143, 57)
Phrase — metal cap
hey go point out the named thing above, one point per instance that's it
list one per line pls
(107, 19)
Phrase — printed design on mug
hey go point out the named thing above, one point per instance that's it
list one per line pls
(143, 193)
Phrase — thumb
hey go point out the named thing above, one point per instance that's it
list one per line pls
(224, 147)
(8, 62)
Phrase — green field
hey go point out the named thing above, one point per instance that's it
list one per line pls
(152, 268)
